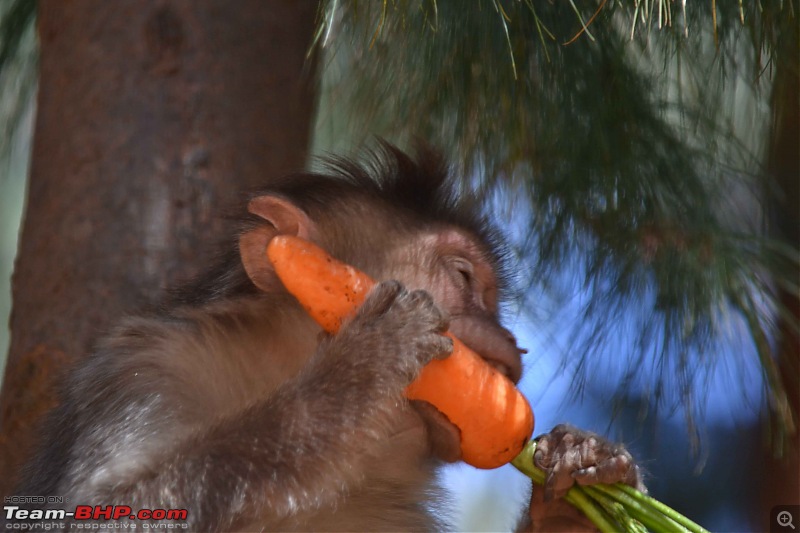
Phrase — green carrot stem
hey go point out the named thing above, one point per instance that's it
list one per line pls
(617, 510)
(663, 509)
(599, 516)
(613, 507)
(524, 463)
(646, 515)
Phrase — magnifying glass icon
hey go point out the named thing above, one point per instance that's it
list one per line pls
(785, 519)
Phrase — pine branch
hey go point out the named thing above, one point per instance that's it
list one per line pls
(18, 66)
(621, 149)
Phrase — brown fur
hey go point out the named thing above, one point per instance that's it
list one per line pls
(230, 402)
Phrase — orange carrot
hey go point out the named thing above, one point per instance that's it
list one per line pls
(494, 418)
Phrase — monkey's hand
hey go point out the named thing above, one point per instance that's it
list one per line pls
(570, 455)
(394, 334)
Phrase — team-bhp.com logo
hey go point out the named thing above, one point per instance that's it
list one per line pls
(93, 517)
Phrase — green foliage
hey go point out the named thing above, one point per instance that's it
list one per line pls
(18, 65)
(614, 123)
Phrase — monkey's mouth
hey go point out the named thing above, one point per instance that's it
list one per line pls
(444, 438)
(498, 347)
(513, 375)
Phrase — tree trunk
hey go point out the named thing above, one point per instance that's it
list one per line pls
(781, 483)
(152, 116)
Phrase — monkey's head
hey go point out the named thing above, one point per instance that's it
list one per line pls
(396, 218)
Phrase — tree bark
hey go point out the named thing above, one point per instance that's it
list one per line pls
(152, 116)
(781, 483)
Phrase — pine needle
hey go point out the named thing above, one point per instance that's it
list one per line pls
(620, 148)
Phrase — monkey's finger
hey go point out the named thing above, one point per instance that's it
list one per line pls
(442, 347)
(594, 450)
(543, 456)
(423, 301)
(549, 487)
(612, 470)
(559, 479)
(558, 432)
(381, 298)
(567, 445)
(635, 479)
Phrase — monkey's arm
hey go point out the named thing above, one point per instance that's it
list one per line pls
(297, 451)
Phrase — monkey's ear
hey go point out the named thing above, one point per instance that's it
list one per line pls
(284, 218)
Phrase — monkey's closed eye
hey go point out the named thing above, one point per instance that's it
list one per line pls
(465, 270)
(475, 288)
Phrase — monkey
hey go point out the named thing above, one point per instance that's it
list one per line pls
(229, 402)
